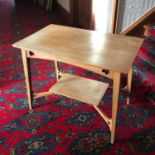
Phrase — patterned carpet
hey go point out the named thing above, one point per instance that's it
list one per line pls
(59, 125)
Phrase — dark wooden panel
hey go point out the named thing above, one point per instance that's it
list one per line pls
(81, 13)
(85, 13)
(61, 13)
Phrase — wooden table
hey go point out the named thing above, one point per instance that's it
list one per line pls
(108, 55)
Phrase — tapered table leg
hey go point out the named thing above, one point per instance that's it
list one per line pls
(27, 78)
(116, 91)
(129, 84)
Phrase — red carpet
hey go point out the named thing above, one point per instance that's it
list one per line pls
(59, 125)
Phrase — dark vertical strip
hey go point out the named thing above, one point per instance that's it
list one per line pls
(30, 75)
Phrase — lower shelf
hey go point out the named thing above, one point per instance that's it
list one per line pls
(79, 88)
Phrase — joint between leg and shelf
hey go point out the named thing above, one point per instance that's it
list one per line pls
(104, 116)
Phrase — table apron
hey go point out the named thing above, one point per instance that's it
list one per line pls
(101, 71)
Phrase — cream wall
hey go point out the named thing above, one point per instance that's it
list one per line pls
(65, 4)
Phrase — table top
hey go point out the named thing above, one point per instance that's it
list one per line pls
(108, 51)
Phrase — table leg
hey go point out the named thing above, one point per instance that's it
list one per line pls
(56, 70)
(129, 84)
(116, 91)
(27, 78)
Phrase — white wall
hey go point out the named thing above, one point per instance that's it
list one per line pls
(102, 9)
(131, 10)
(65, 4)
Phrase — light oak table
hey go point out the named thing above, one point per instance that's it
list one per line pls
(106, 54)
